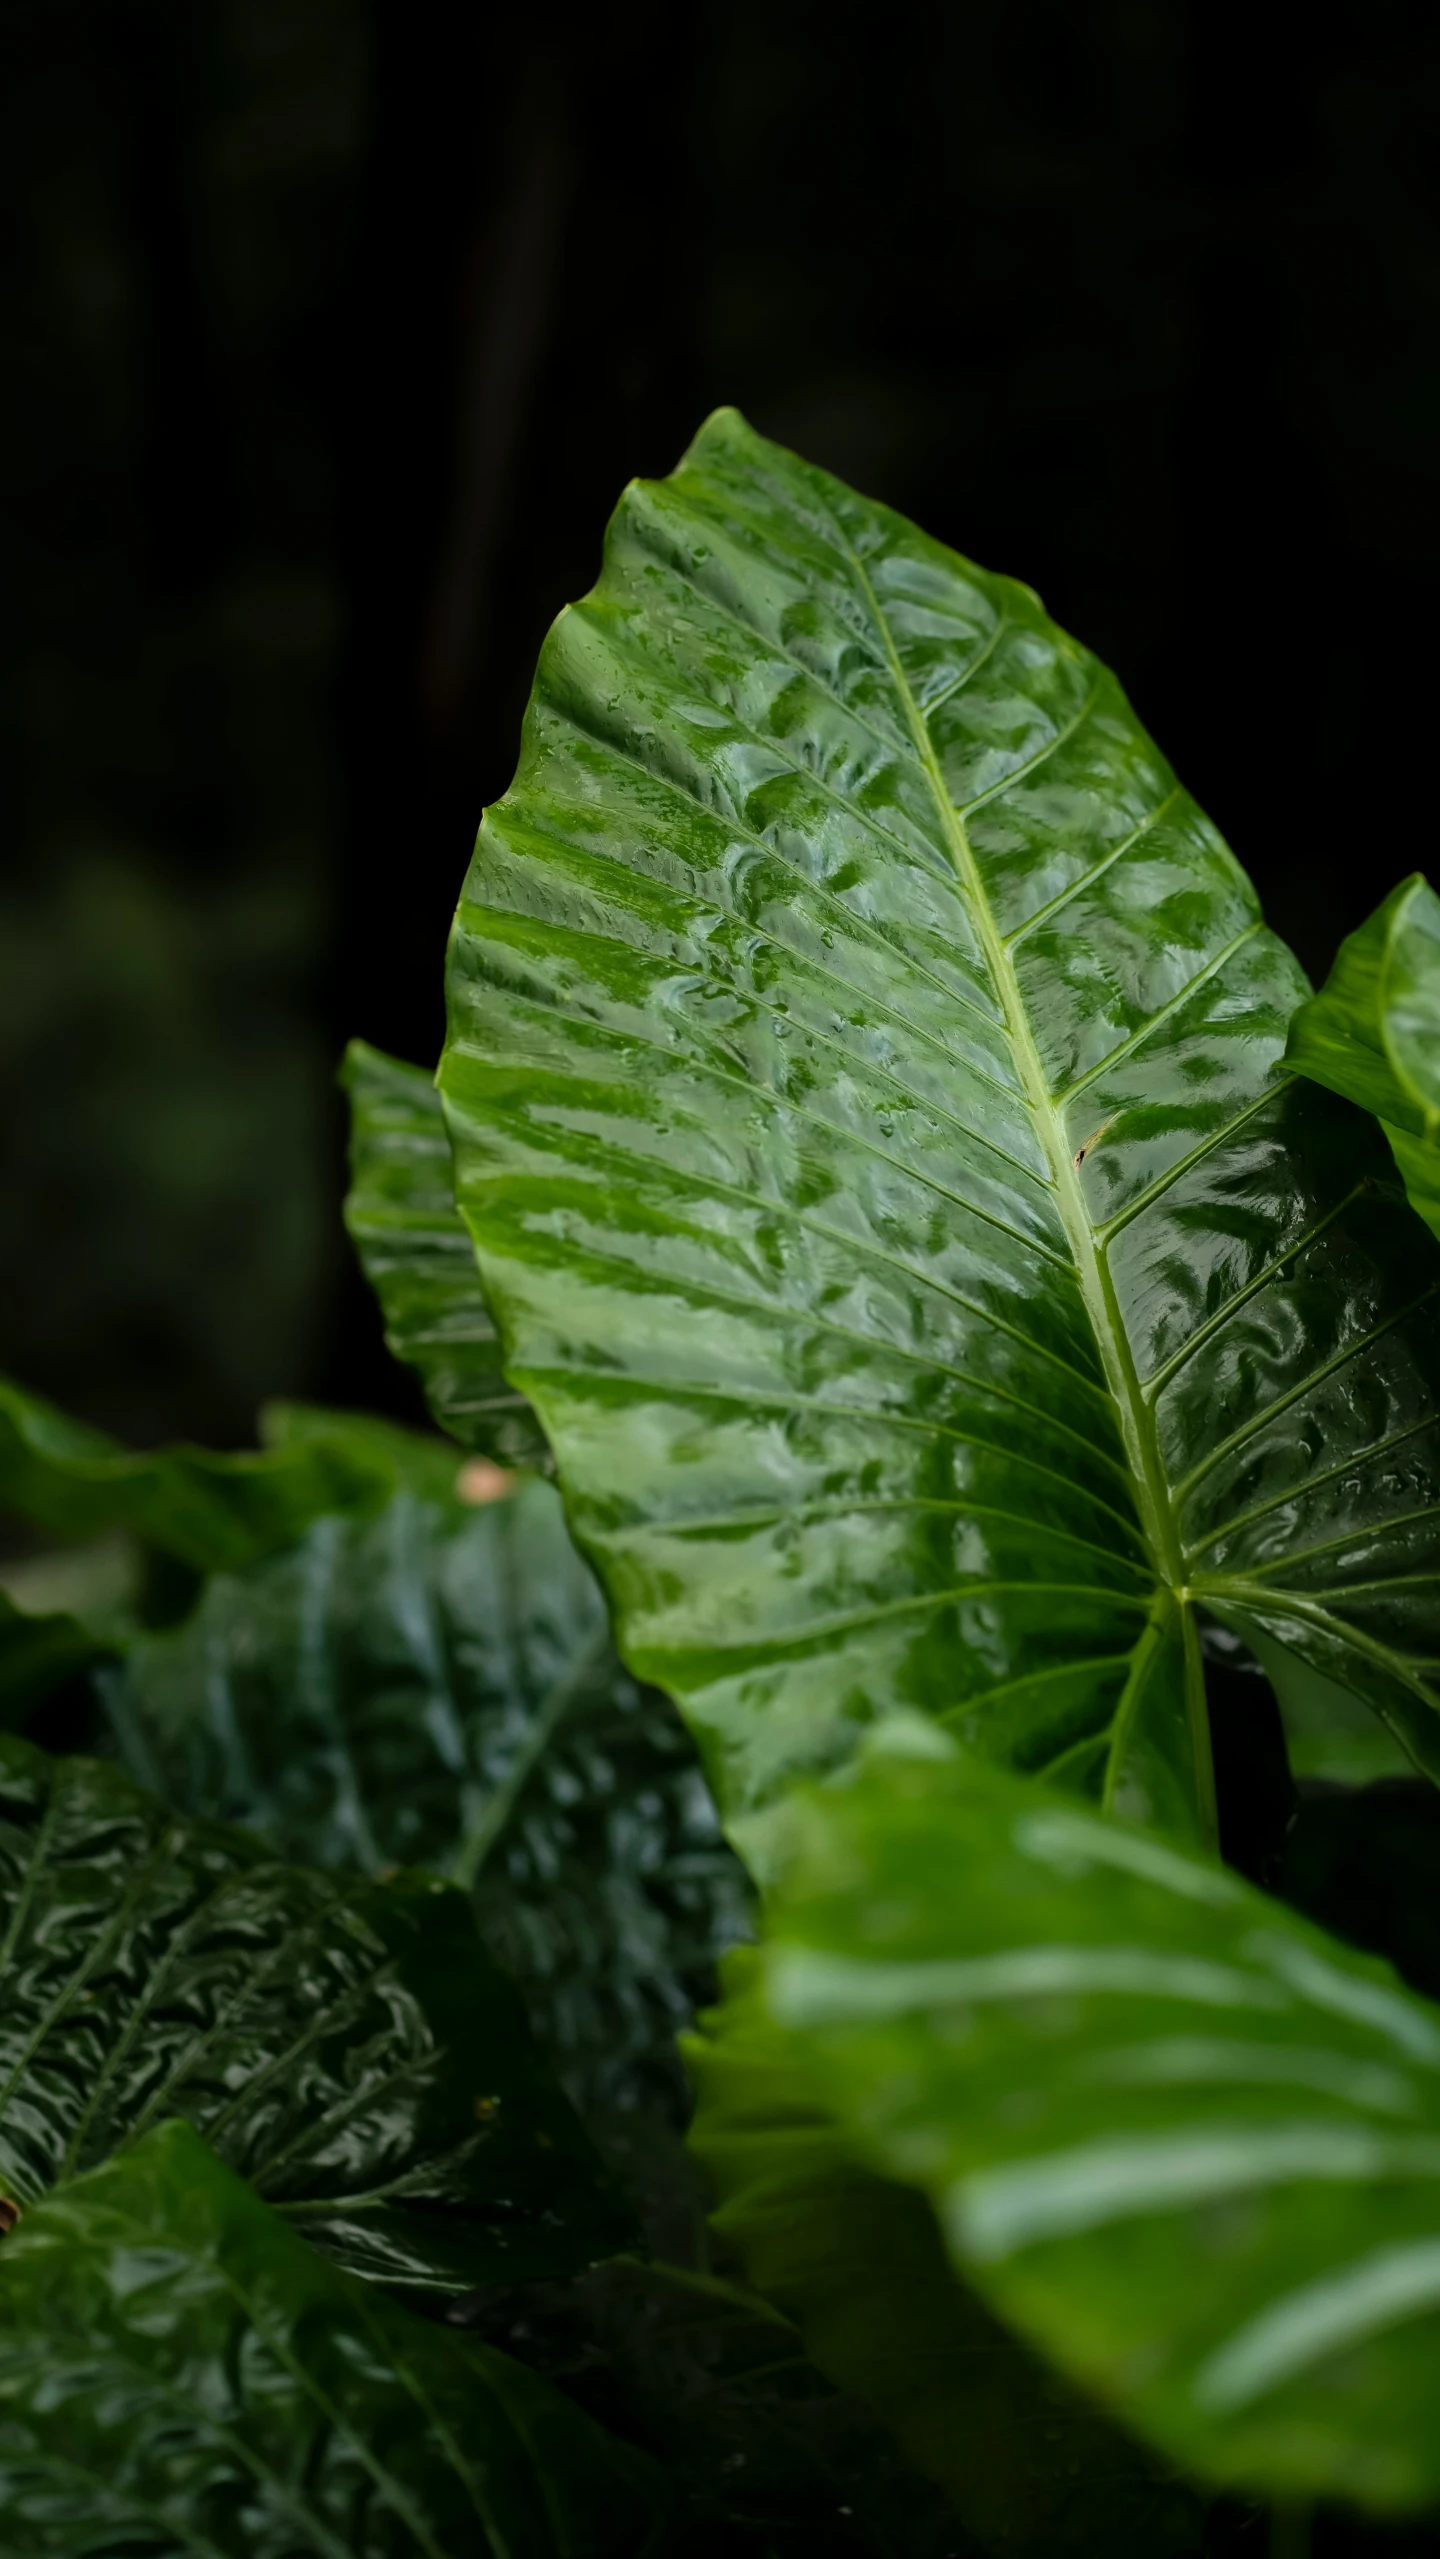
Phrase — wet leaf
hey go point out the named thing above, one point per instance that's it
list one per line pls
(344, 2045)
(180, 2373)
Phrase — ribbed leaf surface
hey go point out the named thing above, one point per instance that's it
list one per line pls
(180, 2374)
(438, 1687)
(418, 1257)
(862, 1074)
(345, 2046)
(1186, 2142)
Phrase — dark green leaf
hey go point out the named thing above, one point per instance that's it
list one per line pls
(1373, 1033)
(1187, 2143)
(346, 2046)
(859, 2265)
(863, 1077)
(420, 1261)
(38, 1653)
(766, 2461)
(439, 1688)
(181, 2375)
(212, 1512)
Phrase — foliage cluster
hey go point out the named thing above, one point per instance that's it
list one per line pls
(934, 1530)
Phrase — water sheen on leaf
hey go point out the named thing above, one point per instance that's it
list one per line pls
(418, 1257)
(437, 1687)
(1187, 2143)
(180, 2373)
(346, 2046)
(864, 1078)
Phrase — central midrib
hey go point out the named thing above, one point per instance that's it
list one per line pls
(1157, 1518)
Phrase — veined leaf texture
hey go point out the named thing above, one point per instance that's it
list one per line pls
(864, 1072)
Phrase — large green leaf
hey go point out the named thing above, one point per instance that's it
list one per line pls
(1373, 1033)
(181, 2375)
(420, 1261)
(346, 2046)
(1187, 2143)
(856, 2260)
(210, 1511)
(862, 1076)
(438, 1687)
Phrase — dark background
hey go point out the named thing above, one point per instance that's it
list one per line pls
(332, 331)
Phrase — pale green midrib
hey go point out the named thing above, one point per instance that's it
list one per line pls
(1137, 1437)
(1094, 1279)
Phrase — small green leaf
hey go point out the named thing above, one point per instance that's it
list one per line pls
(437, 1687)
(864, 1073)
(211, 1511)
(857, 2262)
(346, 2046)
(418, 1257)
(38, 1653)
(181, 2375)
(1185, 2142)
(1373, 1033)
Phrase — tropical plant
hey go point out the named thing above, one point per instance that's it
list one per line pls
(891, 1202)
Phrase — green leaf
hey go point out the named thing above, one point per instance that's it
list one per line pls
(438, 1687)
(1185, 2142)
(420, 1261)
(857, 2261)
(862, 1073)
(180, 2374)
(345, 2046)
(713, 2382)
(1329, 1734)
(410, 1461)
(1373, 1033)
(37, 1654)
(211, 1511)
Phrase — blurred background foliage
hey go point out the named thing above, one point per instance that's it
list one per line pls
(332, 329)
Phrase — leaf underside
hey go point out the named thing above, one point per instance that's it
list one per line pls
(345, 2046)
(1183, 2141)
(181, 2374)
(418, 1257)
(863, 1073)
(1373, 1033)
(436, 1686)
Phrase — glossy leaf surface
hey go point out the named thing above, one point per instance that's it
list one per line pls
(211, 1511)
(181, 2374)
(344, 2046)
(437, 1687)
(858, 2263)
(1373, 1033)
(1188, 2144)
(862, 1072)
(418, 1257)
